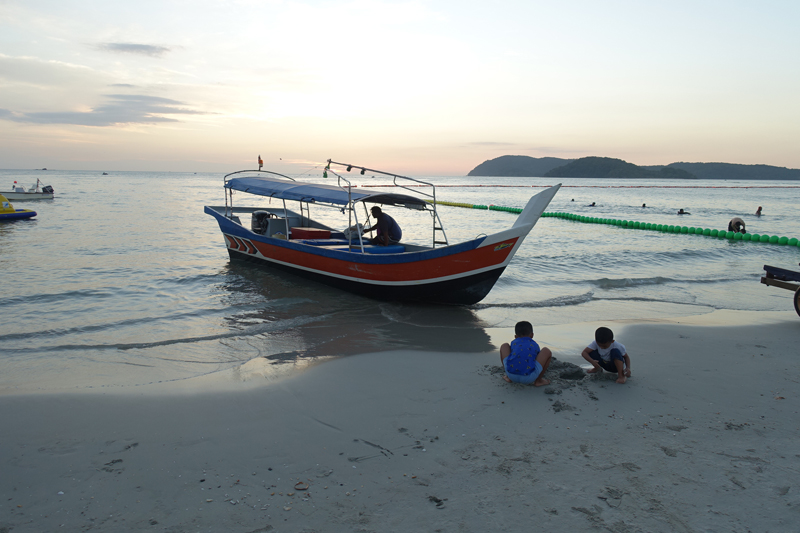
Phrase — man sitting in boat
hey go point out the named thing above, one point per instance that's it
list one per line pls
(389, 231)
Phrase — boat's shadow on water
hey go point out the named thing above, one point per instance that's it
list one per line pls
(311, 320)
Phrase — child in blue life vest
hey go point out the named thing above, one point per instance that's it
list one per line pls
(523, 360)
(607, 354)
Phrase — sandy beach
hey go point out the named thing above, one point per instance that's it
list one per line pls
(703, 437)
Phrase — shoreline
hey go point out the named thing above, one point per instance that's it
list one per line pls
(566, 340)
(702, 437)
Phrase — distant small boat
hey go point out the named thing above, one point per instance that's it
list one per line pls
(34, 192)
(105, 173)
(8, 212)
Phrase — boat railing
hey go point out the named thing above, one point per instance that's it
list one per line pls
(351, 212)
(229, 192)
(225, 177)
(438, 227)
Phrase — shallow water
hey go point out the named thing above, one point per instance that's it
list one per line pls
(122, 280)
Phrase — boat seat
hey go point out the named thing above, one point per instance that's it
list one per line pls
(310, 233)
(323, 242)
(373, 249)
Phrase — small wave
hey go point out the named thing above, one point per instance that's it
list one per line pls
(560, 301)
(694, 303)
(108, 325)
(199, 279)
(56, 297)
(650, 300)
(608, 283)
(249, 331)
(621, 283)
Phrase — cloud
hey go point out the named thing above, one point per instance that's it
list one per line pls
(32, 71)
(133, 48)
(122, 109)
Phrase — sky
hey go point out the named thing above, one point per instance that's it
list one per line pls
(414, 87)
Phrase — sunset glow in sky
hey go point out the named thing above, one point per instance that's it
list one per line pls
(417, 87)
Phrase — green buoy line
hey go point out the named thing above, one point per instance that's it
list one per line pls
(631, 224)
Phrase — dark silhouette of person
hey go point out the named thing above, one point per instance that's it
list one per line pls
(736, 225)
(389, 231)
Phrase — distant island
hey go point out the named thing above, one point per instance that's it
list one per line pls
(606, 167)
(518, 166)
(610, 168)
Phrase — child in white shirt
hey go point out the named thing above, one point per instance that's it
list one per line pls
(607, 354)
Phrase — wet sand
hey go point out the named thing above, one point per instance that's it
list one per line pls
(703, 437)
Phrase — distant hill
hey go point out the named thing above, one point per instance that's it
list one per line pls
(607, 167)
(731, 171)
(518, 166)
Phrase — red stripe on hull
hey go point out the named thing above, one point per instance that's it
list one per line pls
(424, 270)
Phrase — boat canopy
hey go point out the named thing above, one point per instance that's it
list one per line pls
(401, 200)
(311, 192)
(292, 190)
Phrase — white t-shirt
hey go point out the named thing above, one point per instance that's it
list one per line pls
(605, 353)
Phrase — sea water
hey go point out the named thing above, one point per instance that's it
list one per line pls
(123, 281)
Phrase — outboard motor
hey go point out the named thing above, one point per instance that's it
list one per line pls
(48, 189)
(260, 222)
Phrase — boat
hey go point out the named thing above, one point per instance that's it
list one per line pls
(34, 192)
(8, 212)
(785, 279)
(291, 240)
